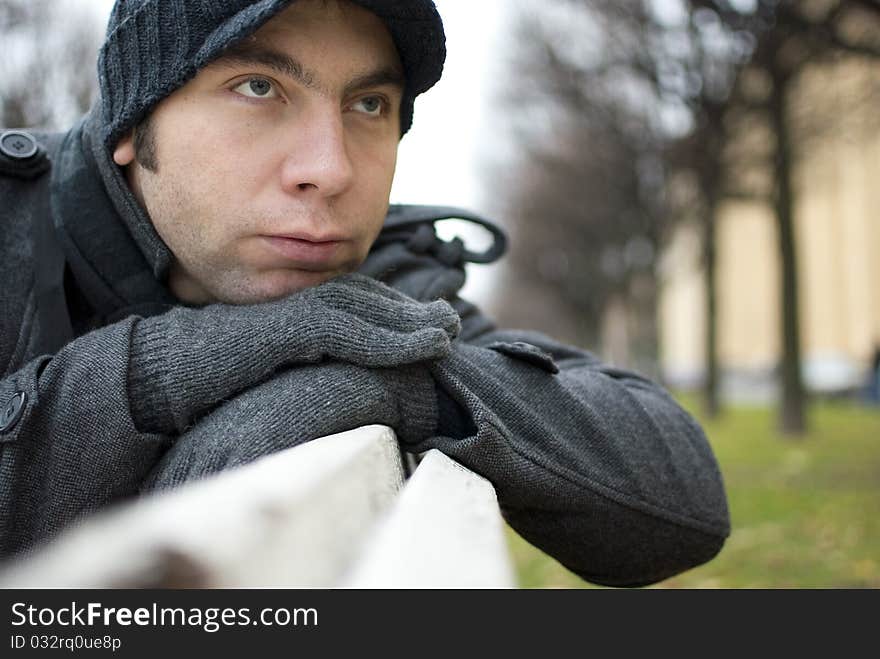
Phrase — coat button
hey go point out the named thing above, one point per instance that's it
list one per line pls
(12, 411)
(18, 145)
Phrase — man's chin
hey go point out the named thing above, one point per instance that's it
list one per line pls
(277, 288)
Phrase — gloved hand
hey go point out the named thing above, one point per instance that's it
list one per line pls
(296, 406)
(186, 361)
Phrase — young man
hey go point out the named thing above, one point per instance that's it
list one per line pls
(210, 271)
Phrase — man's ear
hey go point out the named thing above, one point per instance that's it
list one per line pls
(124, 153)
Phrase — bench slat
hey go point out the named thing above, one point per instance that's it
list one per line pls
(293, 519)
(444, 531)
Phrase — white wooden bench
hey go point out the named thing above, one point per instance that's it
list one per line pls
(338, 512)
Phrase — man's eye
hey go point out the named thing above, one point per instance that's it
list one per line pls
(257, 88)
(372, 105)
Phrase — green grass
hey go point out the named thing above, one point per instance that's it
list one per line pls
(805, 512)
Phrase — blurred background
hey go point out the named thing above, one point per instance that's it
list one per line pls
(692, 191)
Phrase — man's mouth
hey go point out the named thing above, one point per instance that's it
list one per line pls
(305, 250)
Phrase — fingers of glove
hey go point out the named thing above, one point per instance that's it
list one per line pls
(374, 304)
(357, 291)
(444, 316)
(372, 346)
(365, 284)
(407, 317)
(430, 344)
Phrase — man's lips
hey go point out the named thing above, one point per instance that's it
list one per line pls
(305, 250)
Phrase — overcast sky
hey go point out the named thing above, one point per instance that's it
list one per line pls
(439, 159)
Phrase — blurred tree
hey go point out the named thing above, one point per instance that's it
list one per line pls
(631, 115)
(708, 61)
(586, 196)
(47, 72)
(622, 135)
(790, 37)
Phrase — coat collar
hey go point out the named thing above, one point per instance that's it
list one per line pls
(110, 245)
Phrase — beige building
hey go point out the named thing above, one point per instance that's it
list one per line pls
(838, 248)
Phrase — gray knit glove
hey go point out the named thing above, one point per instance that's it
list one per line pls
(186, 361)
(296, 406)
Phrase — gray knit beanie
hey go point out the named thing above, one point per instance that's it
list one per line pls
(153, 47)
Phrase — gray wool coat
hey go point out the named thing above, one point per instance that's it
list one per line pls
(597, 466)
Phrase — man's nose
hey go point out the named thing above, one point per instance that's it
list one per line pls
(318, 161)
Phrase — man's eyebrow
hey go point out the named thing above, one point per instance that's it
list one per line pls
(389, 76)
(245, 53)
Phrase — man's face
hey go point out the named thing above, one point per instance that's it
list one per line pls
(274, 164)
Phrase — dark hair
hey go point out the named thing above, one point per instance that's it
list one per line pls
(145, 144)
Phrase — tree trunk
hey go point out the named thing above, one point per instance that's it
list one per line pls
(711, 177)
(792, 404)
(711, 401)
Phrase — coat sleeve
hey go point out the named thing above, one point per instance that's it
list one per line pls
(598, 467)
(74, 446)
